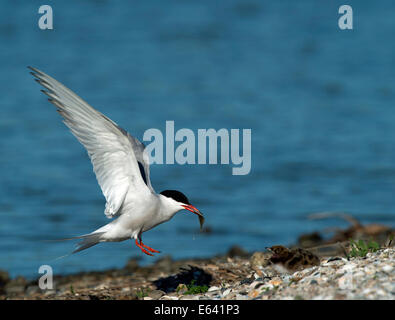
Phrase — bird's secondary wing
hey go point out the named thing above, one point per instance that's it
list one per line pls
(142, 160)
(118, 159)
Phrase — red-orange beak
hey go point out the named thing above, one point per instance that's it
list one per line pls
(193, 209)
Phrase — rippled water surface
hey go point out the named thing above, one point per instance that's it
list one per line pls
(319, 101)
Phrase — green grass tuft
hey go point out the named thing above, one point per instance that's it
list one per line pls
(141, 293)
(194, 289)
(361, 248)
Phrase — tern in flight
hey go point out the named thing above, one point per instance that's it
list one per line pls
(121, 166)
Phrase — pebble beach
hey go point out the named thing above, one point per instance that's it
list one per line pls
(237, 275)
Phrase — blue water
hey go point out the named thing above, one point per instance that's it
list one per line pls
(320, 103)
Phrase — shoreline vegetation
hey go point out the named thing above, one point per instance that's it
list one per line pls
(355, 263)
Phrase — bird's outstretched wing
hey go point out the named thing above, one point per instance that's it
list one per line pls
(142, 160)
(118, 159)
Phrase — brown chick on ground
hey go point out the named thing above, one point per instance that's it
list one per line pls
(286, 260)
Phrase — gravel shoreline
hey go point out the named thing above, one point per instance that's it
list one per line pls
(236, 275)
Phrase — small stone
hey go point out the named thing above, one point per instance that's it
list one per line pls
(187, 297)
(213, 288)
(156, 294)
(254, 293)
(168, 298)
(148, 298)
(241, 297)
(101, 287)
(226, 292)
(387, 268)
(231, 296)
(255, 284)
(275, 282)
(246, 281)
(333, 259)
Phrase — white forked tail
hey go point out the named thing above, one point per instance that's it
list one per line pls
(88, 240)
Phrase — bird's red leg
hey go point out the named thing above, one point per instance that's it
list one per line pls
(142, 249)
(150, 249)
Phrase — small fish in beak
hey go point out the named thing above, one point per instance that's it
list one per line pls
(196, 211)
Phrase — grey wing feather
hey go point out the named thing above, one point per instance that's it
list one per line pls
(114, 153)
(142, 159)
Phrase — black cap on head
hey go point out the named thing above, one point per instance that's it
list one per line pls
(175, 195)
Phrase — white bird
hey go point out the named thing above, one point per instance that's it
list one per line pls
(121, 166)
